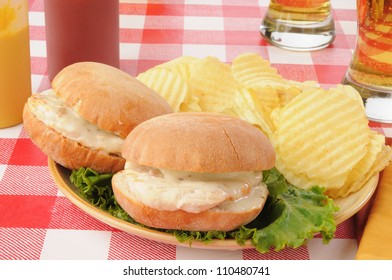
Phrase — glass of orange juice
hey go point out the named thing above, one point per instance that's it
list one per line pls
(370, 70)
(15, 75)
(300, 25)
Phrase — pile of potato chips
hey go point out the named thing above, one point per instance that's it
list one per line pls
(321, 137)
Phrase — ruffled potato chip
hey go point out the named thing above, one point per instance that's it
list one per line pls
(247, 108)
(182, 65)
(381, 160)
(191, 104)
(266, 97)
(251, 70)
(211, 81)
(168, 84)
(322, 135)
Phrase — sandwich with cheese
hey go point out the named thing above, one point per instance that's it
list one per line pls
(83, 120)
(194, 171)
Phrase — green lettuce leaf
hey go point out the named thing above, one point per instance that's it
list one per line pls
(97, 189)
(292, 215)
(289, 218)
(190, 236)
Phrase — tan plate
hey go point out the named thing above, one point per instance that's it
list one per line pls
(348, 207)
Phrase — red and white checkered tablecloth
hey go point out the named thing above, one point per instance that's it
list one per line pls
(38, 222)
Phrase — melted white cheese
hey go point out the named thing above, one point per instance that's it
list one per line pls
(54, 113)
(196, 192)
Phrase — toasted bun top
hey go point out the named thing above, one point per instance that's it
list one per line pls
(108, 97)
(199, 142)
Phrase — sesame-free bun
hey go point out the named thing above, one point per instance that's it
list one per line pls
(207, 143)
(212, 219)
(104, 96)
(108, 97)
(199, 142)
(66, 152)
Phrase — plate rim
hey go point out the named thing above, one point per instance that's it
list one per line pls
(368, 189)
(167, 238)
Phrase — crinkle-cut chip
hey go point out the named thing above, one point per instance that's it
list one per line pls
(290, 90)
(251, 70)
(285, 95)
(191, 104)
(179, 60)
(322, 135)
(303, 85)
(211, 80)
(299, 180)
(349, 91)
(374, 148)
(180, 65)
(383, 159)
(363, 169)
(247, 108)
(289, 93)
(275, 117)
(168, 84)
(215, 101)
(266, 97)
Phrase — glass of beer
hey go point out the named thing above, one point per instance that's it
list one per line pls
(370, 70)
(301, 25)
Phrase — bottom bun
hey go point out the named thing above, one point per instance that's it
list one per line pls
(66, 152)
(212, 219)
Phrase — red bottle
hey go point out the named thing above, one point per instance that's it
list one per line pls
(81, 30)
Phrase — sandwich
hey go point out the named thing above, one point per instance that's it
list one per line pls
(194, 171)
(83, 119)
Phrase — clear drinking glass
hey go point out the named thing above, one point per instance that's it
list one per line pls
(300, 25)
(370, 70)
